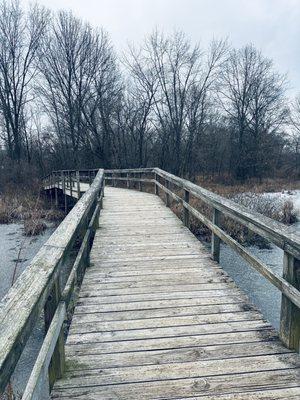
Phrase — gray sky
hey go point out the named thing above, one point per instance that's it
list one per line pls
(271, 25)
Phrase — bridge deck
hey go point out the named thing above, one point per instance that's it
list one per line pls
(158, 319)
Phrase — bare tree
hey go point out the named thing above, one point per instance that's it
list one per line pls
(173, 82)
(68, 63)
(294, 137)
(20, 36)
(253, 97)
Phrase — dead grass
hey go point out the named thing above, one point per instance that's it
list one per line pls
(27, 206)
(249, 196)
(229, 188)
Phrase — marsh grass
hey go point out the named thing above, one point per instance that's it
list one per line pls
(27, 205)
(248, 195)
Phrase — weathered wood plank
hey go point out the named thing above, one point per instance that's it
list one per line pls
(178, 355)
(148, 323)
(121, 315)
(256, 386)
(170, 343)
(107, 336)
(203, 368)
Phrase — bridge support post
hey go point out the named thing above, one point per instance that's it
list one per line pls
(167, 185)
(57, 363)
(78, 184)
(64, 189)
(56, 196)
(71, 184)
(215, 240)
(155, 185)
(186, 213)
(290, 314)
(128, 181)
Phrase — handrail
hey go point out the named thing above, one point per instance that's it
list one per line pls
(273, 230)
(39, 286)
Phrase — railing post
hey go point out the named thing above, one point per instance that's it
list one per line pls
(167, 185)
(78, 184)
(155, 185)
(71, 183)
(90, 178)
(50, 188)
(140, 182)
(128, 182)
(57, 363)
(215, 240)
(56, 195)
(290, 314)
(63, 186)
(186, 213)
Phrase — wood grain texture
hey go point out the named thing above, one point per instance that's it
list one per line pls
(157, 318)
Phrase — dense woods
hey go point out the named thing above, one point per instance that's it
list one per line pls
(68, 100)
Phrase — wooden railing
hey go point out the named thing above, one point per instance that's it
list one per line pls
(39, 287)
(181, 190)
(70, 181)
(40, 290)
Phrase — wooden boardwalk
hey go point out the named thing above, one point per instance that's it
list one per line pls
(156, 318)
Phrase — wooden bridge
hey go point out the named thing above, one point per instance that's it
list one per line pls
(146, 311)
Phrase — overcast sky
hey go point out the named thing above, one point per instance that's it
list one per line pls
(271, 25)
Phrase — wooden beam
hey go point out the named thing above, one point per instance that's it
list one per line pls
(290, 313)
(215, 240)
(38, 376)
(186, 214)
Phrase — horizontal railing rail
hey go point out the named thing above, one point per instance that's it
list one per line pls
(39, 289)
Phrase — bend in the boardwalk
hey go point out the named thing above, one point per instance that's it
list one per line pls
(156, 318)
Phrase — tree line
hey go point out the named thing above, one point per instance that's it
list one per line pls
(67, 100)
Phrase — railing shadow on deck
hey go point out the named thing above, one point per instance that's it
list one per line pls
(39, 286)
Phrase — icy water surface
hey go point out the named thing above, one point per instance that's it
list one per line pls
(258, 289)
(16, 252)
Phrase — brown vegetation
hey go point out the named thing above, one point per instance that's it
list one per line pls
(248, 195)
(24, 202)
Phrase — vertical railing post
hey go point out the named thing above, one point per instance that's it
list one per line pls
(215, 240)
(186, 213)
(50, 188)
(57, 363)
(90, 178)
(155, 185)
(78, 184)
(290, 314)
(71, 183)
(114, 180)
(56, 183)
(140, 182)
(128, 181)
(64, 190)
(167, 185)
